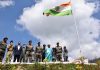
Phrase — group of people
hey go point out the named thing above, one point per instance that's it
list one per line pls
(28, 53)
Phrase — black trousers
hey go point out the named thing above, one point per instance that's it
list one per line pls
(22, 57)
(66, 58)
(1, 56)
(58, 57)
(43, 57)
(16, 57)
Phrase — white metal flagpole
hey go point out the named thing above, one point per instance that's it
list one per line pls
(77, 32)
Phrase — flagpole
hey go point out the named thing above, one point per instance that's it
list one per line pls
(77, 32)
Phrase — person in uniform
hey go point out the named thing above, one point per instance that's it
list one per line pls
(3, 46)
(38, 52)
(29, 50)
(65, 54)
(22, 57)
(9, 52)
(58, 52)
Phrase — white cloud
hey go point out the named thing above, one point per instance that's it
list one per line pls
(5, 3)
(52, 29)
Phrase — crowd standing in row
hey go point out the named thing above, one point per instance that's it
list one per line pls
(28, 53)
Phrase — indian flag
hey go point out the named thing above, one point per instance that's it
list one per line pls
(61, 10)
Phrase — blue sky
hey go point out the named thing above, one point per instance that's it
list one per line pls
(8, 16)
(34, 26)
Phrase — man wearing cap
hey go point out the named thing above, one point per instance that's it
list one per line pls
(3, 45)
(29, 50)
(9, 51)
(65, 54)
(58, 52)
(38, 52)
(22, 56)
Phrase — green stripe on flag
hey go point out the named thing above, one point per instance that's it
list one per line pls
(55, 13)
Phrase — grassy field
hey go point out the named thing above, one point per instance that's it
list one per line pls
(60, 66)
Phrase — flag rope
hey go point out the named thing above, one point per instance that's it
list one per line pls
(77, 31)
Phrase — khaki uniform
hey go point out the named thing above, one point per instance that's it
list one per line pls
(9, 53)
(58, 53)
(38, 53)
(2, 50)
(29, 50)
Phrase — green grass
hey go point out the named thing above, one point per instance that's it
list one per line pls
(48, 67)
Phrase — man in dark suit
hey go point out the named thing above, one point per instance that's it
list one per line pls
(17, 52)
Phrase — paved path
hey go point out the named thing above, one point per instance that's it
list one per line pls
(51, 63)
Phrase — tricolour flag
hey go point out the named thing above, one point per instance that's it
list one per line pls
(61, 10)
